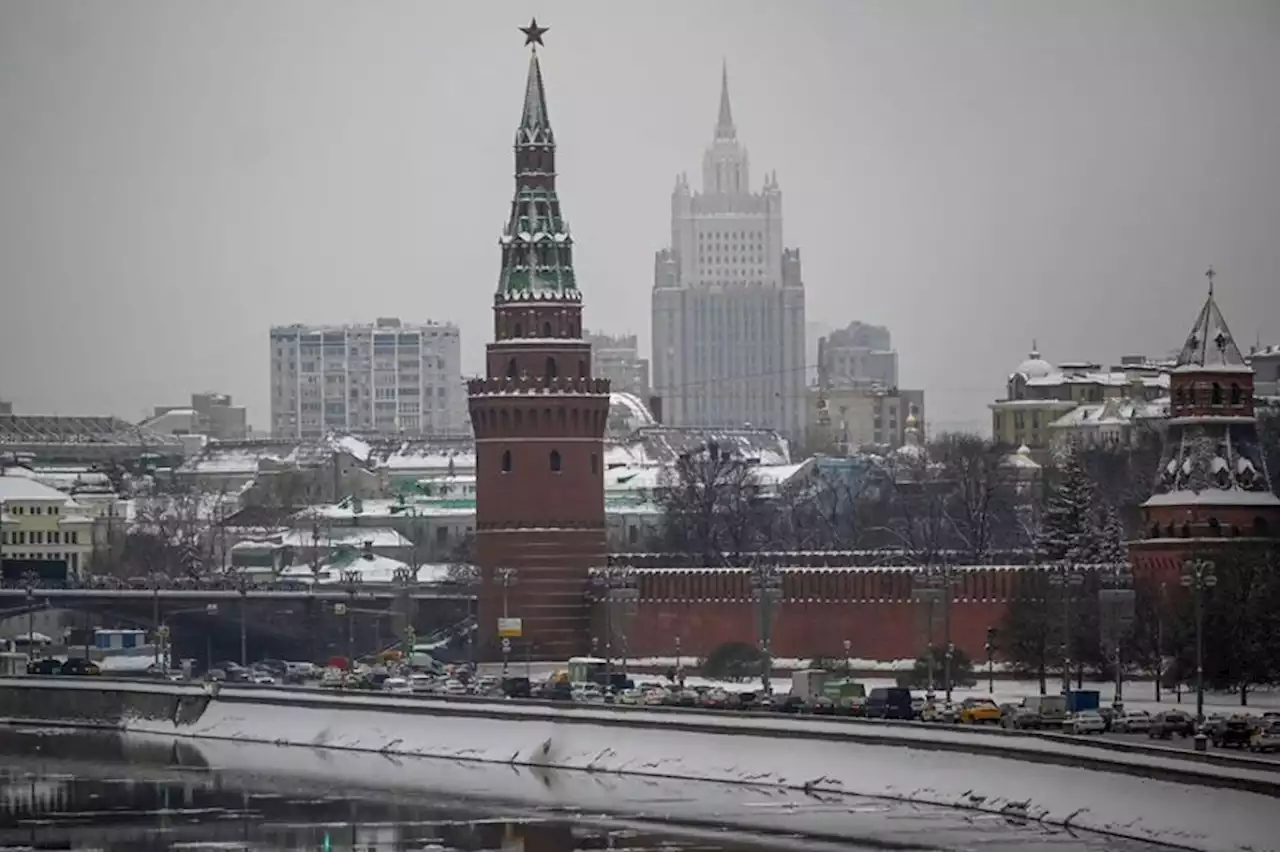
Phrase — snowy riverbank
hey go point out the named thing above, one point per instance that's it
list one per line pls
(593, 748)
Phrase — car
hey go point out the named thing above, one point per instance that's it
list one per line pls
(397, 686)
(1084, 722)
(1266, 738)
(1165, 725)
(979, 711)
(1016, 717)
(1232, 732)
(46, 666)
(1132, 722)
(79, 667)
(890, 702)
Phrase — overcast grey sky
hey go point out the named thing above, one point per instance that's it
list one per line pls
(177, 177)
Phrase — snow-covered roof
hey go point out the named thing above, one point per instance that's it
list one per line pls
(1214, 497)
(25, 488)
(1113, 412)
(627, 412)
(425, 455)
(378, 569)
(377, 537)
(663, 445)
(1021, 459)
(1106, 378)
(1209, 345)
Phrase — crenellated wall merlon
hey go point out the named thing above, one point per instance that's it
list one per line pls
(538, 385)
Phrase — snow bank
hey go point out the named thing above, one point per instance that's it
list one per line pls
(1187, 815)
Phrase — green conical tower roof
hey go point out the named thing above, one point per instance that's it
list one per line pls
(537, 250)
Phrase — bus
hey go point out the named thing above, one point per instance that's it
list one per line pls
(587, 670)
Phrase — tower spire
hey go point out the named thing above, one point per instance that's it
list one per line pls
(724, 124)
(535, 123)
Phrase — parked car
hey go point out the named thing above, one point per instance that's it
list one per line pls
(44, 667)
(1171, 722)
(1231, 732)
(979, 711)
(1016, 717)
(1132, 722)
(79, 667)
(397, 686)
(1266, 738)
(1084, 722)
(889, 702)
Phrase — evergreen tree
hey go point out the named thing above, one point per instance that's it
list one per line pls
(1111, 546)
(1067, 529)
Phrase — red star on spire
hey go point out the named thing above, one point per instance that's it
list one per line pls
(533, 33)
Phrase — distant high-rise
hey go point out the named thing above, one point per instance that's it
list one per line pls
(384, 378)
(617, 358)
(858, 356)
(728, 300)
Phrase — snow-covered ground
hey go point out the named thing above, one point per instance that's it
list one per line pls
(1192, 816)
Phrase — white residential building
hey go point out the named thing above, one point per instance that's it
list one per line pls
(42, 531)
(386, 378)
(728, 300)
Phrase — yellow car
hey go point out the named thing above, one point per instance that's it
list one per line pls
(979, 711)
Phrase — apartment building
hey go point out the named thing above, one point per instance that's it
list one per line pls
(386, 377)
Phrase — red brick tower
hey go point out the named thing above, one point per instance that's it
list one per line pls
(539, 418)
(1212, 490)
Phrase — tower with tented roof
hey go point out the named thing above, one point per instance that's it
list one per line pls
(1212, 488)
(539, 417)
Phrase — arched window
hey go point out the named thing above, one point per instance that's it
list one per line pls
(573, 328)
(573, 419)
(551, 367)
(555, 461)
(546, 329)
(1215, 528)
(519, 331)
(506, 461)
(582, 368)
(1215, 394)
(1186, 530)
(511, 369)
(1235, 394)
(595, 464)
(1155, 530)
(518, 417)
(506, 419)
(533, 418)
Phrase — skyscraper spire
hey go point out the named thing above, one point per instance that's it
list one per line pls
(724, 124)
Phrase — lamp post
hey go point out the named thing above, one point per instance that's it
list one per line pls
(848, 658)
(766, 583)
(156, 581)
(404, 578)
(620, 600)
(1198, 575)
(352, 581)
(242, 584)
(506, 576)
(1067, 578)
(30, 578)
(991, 669)
(1116, 600)
(932, 585)
(678, 657)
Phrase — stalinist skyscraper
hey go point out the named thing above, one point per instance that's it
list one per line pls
(728, 299)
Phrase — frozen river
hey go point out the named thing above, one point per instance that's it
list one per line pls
(82, 791)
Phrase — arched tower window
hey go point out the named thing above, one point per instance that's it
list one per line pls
(551, 367)
(1155, 530)
(595, 464)
(519, 331)
(518, 417)
(546, 329)
(1235, 394)
(582, 368)
(1215, 394)
(511, 369)
(506, 461)
(555, 461)
(1215, 528)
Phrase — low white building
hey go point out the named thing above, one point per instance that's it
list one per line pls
(42, 531)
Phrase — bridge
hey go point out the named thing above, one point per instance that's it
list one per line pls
(72, 596)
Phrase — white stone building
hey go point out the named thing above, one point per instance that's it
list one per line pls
(728, 300)
(387, 378)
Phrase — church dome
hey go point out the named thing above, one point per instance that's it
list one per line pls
(1034, 367)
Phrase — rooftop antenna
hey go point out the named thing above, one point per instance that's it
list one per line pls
(1211, 275)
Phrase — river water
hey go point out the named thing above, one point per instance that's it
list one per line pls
(84, 791)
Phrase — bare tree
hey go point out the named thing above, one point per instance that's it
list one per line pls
(712, 504)
(974, 490)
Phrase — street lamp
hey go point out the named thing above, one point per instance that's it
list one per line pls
(932, 585)
(991, 669)
(1116, 599)
(678, 657)
(617, 583)
(1066, 578)
(506, 576)
(848, 658)
(29, 577)
(404, 578)
(352, 581)
(1198, 575)
(766, 583)
(156, 581)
